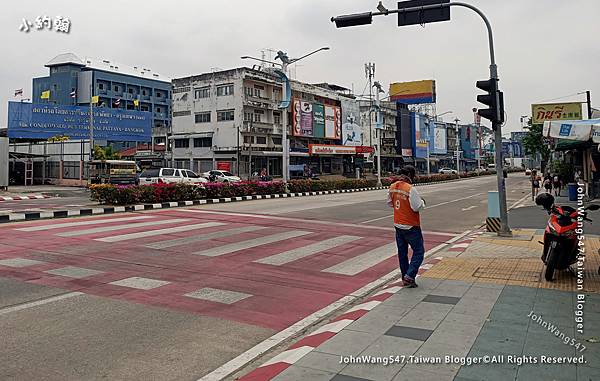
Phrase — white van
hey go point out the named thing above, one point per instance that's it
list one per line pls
(170, 175)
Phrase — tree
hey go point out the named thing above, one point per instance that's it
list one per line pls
(105, 153)
(533, 143)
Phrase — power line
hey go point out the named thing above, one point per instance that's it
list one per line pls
(565, 96)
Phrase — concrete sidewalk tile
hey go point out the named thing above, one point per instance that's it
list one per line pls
(409, 332)
(321, 361)
(391, 345)
(493, 286)
(455, 317)
(428, 283)
(406, 297)
(347, 343)
(378, 372)
(380, 319)
(343, 377)
(451, 290)
(586, 373)
(295, 373)
(425, 373)
(500, 340)
(483, 293)
(562, 372)
(489, 372)
(431, 298)
(554, 347)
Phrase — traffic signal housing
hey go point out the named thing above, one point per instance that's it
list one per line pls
(494, 99)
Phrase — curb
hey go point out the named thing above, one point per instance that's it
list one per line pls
(17, 198)
(302, 347)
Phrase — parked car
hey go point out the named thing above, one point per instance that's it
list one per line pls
(528, 172)
(170, 175)
(221, 176)
(447, 171)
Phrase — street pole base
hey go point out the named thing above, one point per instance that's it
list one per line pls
(379, 184)
(505, 233)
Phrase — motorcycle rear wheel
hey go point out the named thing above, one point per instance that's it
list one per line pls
(551, 261)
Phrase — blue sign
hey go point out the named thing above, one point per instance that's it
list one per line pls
(43, 121)
(565, 129)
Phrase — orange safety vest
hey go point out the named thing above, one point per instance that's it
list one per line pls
(403, 213)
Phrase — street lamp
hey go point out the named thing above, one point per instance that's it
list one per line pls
(285, 62)
(442, 114)
(457, 146)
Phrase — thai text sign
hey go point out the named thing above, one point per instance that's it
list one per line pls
(555, 111)
(43, 121)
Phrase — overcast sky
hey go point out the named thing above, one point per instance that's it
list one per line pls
(545, 49)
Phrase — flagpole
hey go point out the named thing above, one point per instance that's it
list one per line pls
(91, 122)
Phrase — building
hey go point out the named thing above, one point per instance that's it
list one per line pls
(390, 158)
(71, 78)
(232, 120)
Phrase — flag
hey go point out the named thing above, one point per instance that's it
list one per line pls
(73, 94)
(136, 102)
(45, 94)
(18, 92)
(95, 99)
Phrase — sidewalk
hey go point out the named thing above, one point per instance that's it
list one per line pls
(485, 301)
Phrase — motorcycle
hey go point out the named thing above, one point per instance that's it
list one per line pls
(560, 237)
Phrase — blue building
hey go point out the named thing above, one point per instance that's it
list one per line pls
(71, 80)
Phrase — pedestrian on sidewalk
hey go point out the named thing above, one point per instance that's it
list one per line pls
(557, 185)
(548, 184)
(407, 203)
(535, 184)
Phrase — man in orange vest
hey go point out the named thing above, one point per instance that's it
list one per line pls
(407, 203)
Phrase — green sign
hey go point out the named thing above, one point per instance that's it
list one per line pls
(318, 120)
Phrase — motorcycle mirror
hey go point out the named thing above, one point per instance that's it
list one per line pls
(593, 207)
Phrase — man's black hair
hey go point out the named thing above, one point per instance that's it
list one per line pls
(408, 170)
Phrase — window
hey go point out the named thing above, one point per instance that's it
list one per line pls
(248, 139)
(144, 92)
(224, 90)
(202, 142)
(203, 92)
(145, 108)
(130, 90)
(261, 140)
(116, 88)
(203, 117)
(191, 174)
(181, 90)
(101, 86)
(276, 141)
(180, 113)
(225, 115)
(182, 143)
(159, 94)
(277, 118)
(168, 172)
(248, 116)
(149, 173)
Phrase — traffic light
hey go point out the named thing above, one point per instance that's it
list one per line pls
(494, 99)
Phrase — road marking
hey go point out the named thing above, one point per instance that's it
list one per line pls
(290, 356)
(218, 295)
(310, 222)
(364, 261)
(204, 237)
(81, 223)
(41, 302)
(74, 272)
(469, 208)
(244, 245)
(150, 233)
(305, 251)
(263, 347)
(104, 229)
(140, 283)
(19, 262)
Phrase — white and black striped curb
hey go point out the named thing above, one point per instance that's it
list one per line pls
(30, 216)
(18, 198)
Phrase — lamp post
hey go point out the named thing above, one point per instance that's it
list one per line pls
(285, 62)
(457, 146)
(378, 129)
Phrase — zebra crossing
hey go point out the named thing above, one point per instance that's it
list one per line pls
(216, 264)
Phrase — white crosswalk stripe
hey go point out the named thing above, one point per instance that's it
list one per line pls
(81, 223)
(204, 237)
(305, 251)
(151, 233)
(364, 261)
(104, 229)
(248, 244)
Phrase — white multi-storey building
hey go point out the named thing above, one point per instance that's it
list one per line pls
(232, 119)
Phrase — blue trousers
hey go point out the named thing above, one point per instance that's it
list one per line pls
(414, 238)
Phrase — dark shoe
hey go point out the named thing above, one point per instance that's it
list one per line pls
(408, 282)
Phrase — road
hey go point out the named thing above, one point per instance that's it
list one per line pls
(174, 294)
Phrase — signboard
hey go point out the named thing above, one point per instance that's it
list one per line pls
(327, 149)
(421, 135)
(388, 141)
(318, 120)
(439, 139)
(306, 119)
(555, 111)
(351, 134)
(333, 122)
(415, 92)
(581, 130)
(406, 152)
(43, 121)
(224, 166)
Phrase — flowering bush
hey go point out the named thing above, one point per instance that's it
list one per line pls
(299, 186)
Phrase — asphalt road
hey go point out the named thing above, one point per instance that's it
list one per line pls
(174, 294)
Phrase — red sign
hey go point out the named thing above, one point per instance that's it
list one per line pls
(224, 166)
(364, 149)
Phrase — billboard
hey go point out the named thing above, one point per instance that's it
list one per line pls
(318, 120)
(351, 134)
(420, 125)
(302, 118)
(415, 92)
(43, 121)
(440, 145)
(404, 132)
(333, 122)
(542, 112)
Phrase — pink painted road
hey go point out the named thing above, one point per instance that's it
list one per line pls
(261, 270)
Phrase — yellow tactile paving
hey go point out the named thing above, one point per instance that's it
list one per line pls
(528, 272)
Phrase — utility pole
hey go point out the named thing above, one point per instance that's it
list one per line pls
(378, 130)
(457, 146)
(589, 103)
(370, 73)
(238, 150)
